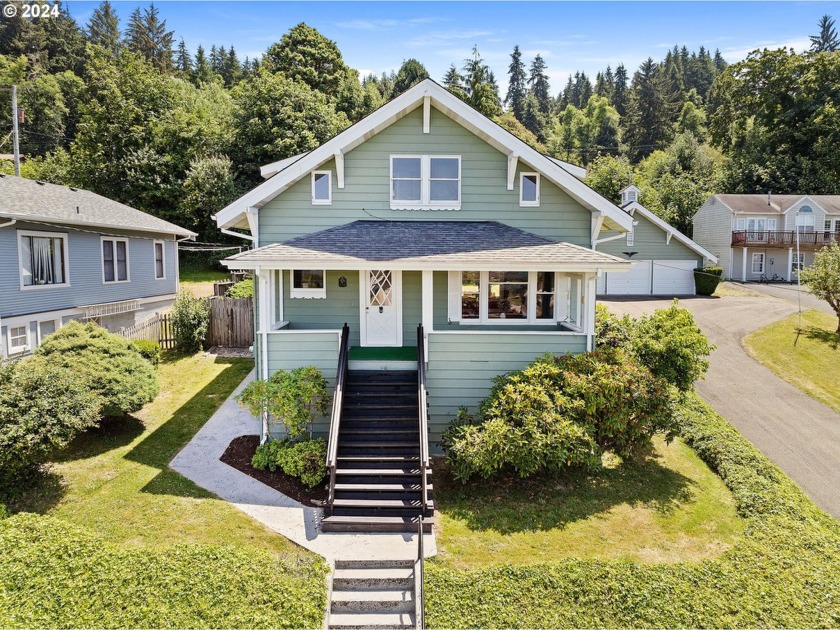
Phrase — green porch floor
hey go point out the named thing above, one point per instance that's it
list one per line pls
(408, 353)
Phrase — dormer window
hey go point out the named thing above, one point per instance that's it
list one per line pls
(321, 188)
(629, 195)
(529, 189)
(425, 181)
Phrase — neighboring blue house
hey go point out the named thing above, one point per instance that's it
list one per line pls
(70, 254)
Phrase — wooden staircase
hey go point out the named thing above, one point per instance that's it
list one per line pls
(378, 479)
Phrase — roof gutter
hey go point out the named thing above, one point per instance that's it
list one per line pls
(12, 222)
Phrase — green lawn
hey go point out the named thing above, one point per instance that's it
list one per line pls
(665, 507)
(199, 281)
(115, 481)
(807, 357)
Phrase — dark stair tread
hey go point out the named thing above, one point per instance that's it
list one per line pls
(383, 472)
(378, 458)
(380, 503)
(335, 518)
(382, 487)
(380, 444)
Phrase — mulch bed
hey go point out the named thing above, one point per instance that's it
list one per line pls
(238, 455)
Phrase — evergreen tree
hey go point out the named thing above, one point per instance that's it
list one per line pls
(647, 124)
(584, 90)
(103, 28)
(183, 61)
(533, 118)
(452, 79)
(719, 63)
(609, 80)
(203, 71)
(411, 72)
(827, 40)
(233, 69)
(538, 81)
(620, 94)
(480, 89)
(147, 35)
(565, 99)
(600, 85)
(517, 84)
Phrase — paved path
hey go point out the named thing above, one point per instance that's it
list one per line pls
(789, 293)
(797, 433)
(199, 461)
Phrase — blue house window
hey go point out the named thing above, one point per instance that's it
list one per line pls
(115, 260)
(43, 259)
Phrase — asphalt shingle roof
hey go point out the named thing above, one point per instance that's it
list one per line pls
(27, 199)
(430, 243)
(757, 204)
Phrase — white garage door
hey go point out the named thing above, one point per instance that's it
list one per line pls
(673, 277)
(633, 282)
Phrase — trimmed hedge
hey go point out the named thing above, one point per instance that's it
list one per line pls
(149, 350)
(707, 279)
(54, 575)
(784, 572)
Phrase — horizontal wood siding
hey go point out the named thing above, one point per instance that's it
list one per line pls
(713, 231)
(340, 306)
(650, 243)
(462, 367)
(484, 191)
(85, 271)
(412, 305)
(290, 350)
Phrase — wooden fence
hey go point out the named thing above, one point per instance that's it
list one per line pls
(231, 325)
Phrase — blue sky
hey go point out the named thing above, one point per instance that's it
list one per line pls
(378, 36)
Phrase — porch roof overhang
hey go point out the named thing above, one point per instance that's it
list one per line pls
(431, 245)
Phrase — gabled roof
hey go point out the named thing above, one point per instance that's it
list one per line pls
(635, 206)
(30, 200)
(778, 204)
(439, 245)
(408, 101)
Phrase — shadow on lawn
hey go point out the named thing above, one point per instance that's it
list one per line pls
(551, 502)
(159, 447)
(831, 339)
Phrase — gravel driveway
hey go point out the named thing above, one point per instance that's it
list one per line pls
(797, 433)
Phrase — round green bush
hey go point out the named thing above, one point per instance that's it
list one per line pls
(242, 289)
(42, 407)
(304, 459)
(707, 279)
(111, 366)
(190, 321)
(149, 350)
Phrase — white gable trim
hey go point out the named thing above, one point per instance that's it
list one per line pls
(397, 108)
(670, 231)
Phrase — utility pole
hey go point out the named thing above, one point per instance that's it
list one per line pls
(15, 131)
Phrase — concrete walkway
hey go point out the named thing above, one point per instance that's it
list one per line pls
(199, 462)
(797, 433)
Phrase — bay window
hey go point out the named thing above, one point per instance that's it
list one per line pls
(43, 259)
(425, 181)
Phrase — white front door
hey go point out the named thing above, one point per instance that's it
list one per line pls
(381, 303)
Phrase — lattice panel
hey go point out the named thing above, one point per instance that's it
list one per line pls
(380, 288)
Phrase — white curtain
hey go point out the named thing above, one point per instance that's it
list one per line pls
(47, 261)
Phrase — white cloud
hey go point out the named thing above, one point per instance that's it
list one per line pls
(799, 44)
(387, 25)
(442, 38)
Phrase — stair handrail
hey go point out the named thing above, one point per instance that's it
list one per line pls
(419, 574)
(335, 416)
(423, 415)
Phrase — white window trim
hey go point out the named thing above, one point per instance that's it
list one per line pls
(630, 236)
(761, 259)
(18, 349)
(523, 203)
(328, 200)
(127, 260)
(306, 294)
(485, 320)
(66, 248)
(154, 258)
(56, 322)
(425, 184)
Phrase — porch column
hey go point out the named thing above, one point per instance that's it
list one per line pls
(790, 264)
(744, 265)
(428, 308)
(588, 319)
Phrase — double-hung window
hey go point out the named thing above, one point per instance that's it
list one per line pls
(18, 339)
(425, 181)
(43, 259)
(115, 260)
(160, 261)
(505, 296)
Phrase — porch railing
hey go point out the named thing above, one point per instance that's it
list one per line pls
(742, 238)
(335, 416)
(423, 416)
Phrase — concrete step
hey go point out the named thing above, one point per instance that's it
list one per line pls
(367, 578)
(373, 563)
(395, 601)
(360, 620)
(375, 524)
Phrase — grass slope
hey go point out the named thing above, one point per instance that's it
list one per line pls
(783, 572)
(807, 358)
(664, 507)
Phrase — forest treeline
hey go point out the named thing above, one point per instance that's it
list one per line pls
(128, 111)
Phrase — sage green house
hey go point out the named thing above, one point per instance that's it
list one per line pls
(423, 217)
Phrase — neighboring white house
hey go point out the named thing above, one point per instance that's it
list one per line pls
(756, 237)
(664, 257)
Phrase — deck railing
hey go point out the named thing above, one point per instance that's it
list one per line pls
(747, 238)
(423, 415)
(335, 417)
